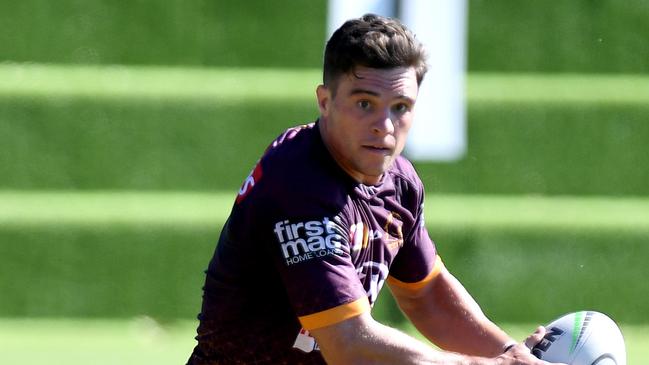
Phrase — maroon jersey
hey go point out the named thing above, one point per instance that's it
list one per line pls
(306, 246)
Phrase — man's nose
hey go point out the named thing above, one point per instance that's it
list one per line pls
(384, 124)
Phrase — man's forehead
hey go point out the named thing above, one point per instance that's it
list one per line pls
(400, 80)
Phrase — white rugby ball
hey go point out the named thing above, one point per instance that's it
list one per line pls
(582, 338)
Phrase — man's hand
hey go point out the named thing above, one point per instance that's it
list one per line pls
(520, 354)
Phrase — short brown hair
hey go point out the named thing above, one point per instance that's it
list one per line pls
(372, 41)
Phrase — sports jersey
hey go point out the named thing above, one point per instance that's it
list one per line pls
(306, 246)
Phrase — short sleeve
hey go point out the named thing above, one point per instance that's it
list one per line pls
(313, 259)
(417, 261)
(290, 216)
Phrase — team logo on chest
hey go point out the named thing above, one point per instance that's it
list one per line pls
(394, 229)
(373, 275)
(361, 236)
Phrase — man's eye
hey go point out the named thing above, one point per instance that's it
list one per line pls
(401, 108)
(364, 104)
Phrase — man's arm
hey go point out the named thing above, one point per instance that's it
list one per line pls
(444, 312)
(362, 340)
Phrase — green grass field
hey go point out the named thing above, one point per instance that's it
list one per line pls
(91, 252)
(231, 84)
(174, 128)
(195, 208)
(157, 112)
(144, 341)
(124, 224)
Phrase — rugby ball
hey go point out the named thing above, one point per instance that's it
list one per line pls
(582, 338)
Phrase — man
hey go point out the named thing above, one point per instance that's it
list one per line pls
(330, 213)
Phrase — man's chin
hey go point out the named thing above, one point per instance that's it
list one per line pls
(375, 175)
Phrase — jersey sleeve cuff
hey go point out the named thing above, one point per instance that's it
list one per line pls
(335, 315)
(437, 268)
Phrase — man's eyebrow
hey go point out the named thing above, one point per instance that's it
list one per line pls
(406, 98)
(363, 91)
(358, 91)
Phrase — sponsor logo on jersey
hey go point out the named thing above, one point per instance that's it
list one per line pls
(303, 241)
(373, 275)
(249, 183)
(305, 342)
(422, 218)
(360, 236)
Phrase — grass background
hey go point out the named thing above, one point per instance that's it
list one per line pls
(125, 254)
(126, 126)
(604, 36)
(194, 129)
(145, 341)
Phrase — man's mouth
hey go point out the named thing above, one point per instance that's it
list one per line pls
(379, 149)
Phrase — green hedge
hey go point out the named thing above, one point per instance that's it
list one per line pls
(503, 35)
(127, 254)
(175, 129)
(280, 33)
(549, 149)
(103, 271)
(606, 36)
(126, 271)
(77, 144)
(533, 274)
(84, 144)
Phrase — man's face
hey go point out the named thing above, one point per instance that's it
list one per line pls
(366, 124)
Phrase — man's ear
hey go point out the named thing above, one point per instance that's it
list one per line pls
(324, 99)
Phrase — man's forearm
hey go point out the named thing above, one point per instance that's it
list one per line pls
(449, 317)
(374, 343)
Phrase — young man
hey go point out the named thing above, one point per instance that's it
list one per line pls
(330, 213)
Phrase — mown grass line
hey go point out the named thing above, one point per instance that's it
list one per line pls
(195, 208)
(557, 88)
(135, 208)
(134, 83)
(233, 84)
(144, 341)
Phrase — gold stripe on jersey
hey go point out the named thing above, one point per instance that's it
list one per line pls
(437, 268)
(335, 315)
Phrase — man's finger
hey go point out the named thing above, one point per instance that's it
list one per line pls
(535, 337)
